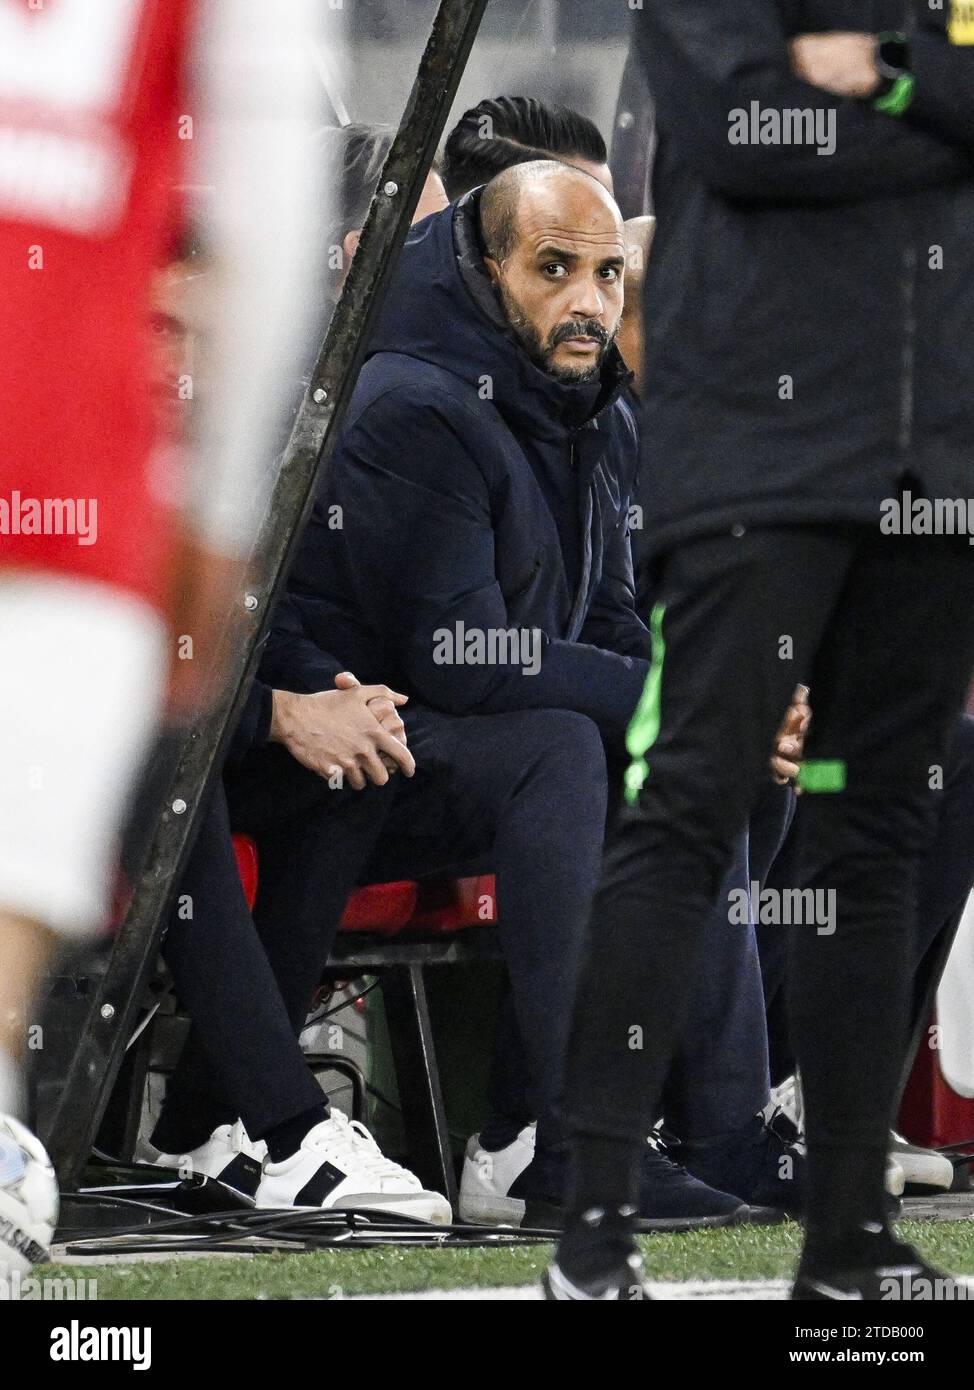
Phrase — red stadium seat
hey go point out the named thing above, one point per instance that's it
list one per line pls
(932, 1113)
(381, 907)
(438, 907)
(451, 905)
(246, 852)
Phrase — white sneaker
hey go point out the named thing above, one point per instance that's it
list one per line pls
(922, 1167)
(788, 1098)
(340, 1165)
(28, 1199)
(229, 1157)
(488, 1178)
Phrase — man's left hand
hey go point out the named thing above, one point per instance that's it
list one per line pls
(843, 64)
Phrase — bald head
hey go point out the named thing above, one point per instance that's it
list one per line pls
(555, 249)
(539, 184)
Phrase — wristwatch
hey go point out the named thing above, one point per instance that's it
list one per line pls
(896, 81)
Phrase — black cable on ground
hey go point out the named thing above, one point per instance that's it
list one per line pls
(285, 1231)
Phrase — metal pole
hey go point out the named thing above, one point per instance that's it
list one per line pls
(110, 1021)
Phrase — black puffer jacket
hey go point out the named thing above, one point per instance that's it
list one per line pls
(810, 318)
(494, 509)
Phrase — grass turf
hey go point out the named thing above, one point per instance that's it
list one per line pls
(755, 1252)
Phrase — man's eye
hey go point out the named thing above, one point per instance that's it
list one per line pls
(610, 273)
(555, 270)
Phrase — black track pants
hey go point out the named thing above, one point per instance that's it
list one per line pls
(882, 630)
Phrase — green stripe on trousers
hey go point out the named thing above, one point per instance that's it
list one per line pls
(644, 727)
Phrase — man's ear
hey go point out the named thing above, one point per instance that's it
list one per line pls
(350, 246)
(493, 269)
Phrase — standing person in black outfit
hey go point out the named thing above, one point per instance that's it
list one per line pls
(807, 363)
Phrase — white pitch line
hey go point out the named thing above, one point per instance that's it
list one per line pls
(714, 1289)
(722, 1289)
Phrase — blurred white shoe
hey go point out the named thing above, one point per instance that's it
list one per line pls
(488, 1177)
(922, 1167)
(904, 1159)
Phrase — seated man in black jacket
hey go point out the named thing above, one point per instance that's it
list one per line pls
(472, 541)
(529, 784)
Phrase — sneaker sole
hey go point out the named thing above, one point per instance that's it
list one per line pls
(929, 1176)
(422, 1206)
(429, 1207)
(543, 1216)
(491, 1211)
(675, 1224)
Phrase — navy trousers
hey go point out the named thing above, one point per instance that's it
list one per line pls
(523, 793)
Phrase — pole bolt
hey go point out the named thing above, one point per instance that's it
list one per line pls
(250, 602)
(178, 806)
(108, 1011)
(391, 189)
(320, 396)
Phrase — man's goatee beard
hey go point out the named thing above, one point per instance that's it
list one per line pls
(580, 376)
(542, 356)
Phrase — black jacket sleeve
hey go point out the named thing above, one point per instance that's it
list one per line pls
(254, 727)
(424, 537)
(612, 621)
(943, 98)
(705, 59)
(292, 660)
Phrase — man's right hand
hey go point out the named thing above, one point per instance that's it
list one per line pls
(342, 731)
